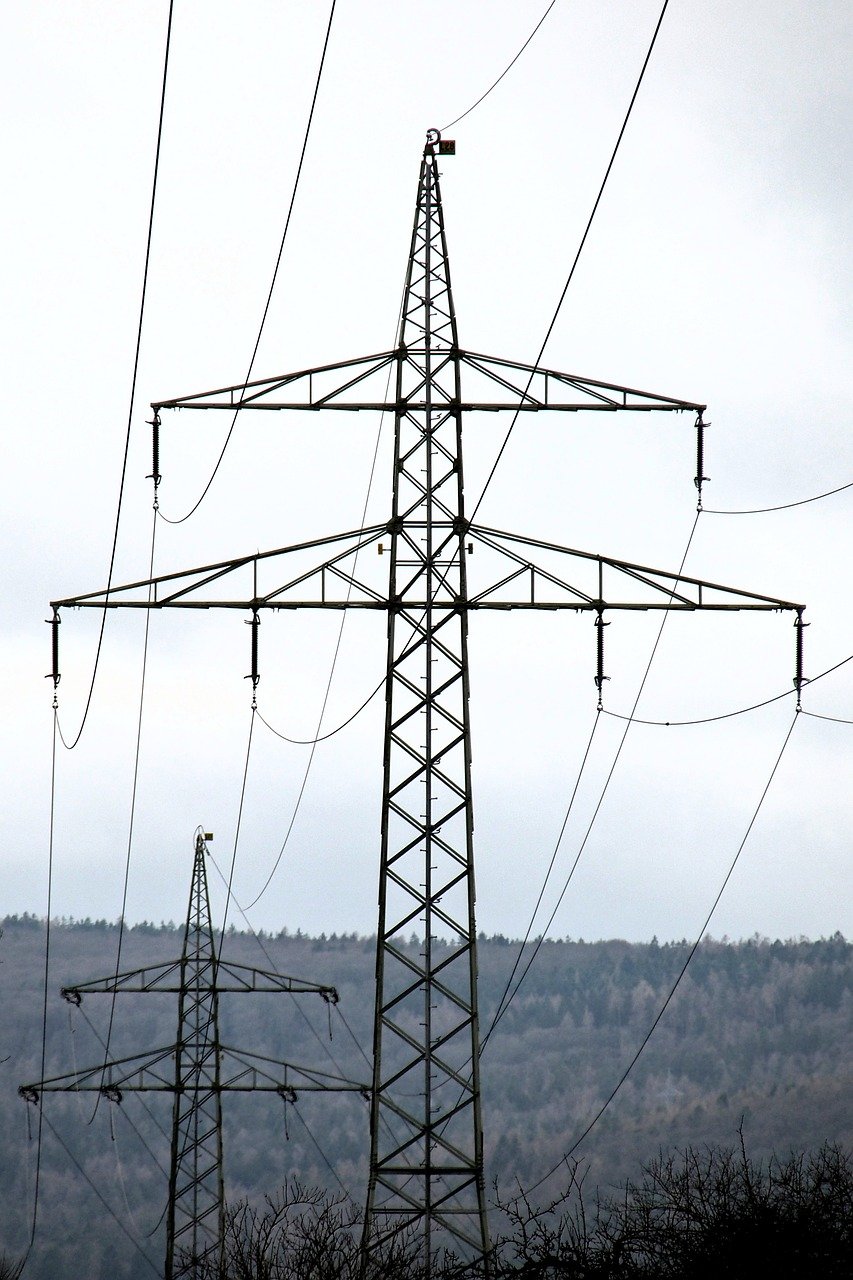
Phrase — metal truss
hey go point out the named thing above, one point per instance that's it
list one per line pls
(511, 385)
(197, 1069)
(426, 1155)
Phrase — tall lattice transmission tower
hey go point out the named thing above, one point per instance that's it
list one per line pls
(426, 1134)
(197, 1070)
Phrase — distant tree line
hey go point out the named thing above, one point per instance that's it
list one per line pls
(759, 1030)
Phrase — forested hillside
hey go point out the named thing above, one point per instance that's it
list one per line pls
(758, 1030)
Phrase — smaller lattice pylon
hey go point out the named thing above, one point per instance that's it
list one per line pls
(197, 1069)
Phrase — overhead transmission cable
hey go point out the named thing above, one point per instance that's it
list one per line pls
(324, 737)
(81, 1170)
(46, 976)
(507, 999)
(694, 948)
(230, 884)
(131, 821)
(489, 478)
(151, 1115)
(505, 71)
(741, 711)
(212, 477)
(573, 267)
(503, 446)
(318, 735)
(296, 1003)
(506, 438)
(71, 745)
(785, 506)
(535, 911)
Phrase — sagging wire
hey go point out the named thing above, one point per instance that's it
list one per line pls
(69, 746)
(580, 249)
(503, 1008)
(133, 795)
(505, 71)
(785, 506)
(120, 1172)
(500, 1006)
(327, 1162)
(151, 1115)
(799, 681)
(702, 932)
(273, 968)
(230, 883)
(83, 1174)
(41, 1115)
(318, 737)
(296, 1003)
(205, 490)
(324, 737)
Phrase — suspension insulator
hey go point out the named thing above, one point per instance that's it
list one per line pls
(53, 674)
(154, 424)
(600, 677)
(254, 676)
(799, 678)
(700, 478)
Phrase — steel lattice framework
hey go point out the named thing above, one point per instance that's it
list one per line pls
(197, 1069)
(426, 1141)
(195, 1216)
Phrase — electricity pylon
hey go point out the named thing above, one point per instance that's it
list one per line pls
(426, 1137)
(197, 1069)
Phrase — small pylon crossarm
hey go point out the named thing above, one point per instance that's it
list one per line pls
(225, 978)
(154, 1072)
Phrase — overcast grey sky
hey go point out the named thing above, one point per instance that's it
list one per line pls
(716, 270)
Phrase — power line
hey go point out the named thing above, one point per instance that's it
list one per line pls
(81, 1170)
(526, 938)
(580, 249)
(229, 887)
(786, 506)
(318, 737)
(70, 746)
(51, 831)
(204, 492)
(728, 715)
(537, 947)
(327, 1162)
(324, 737)
(133, 793)
(568, 1154)
(505, 71)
